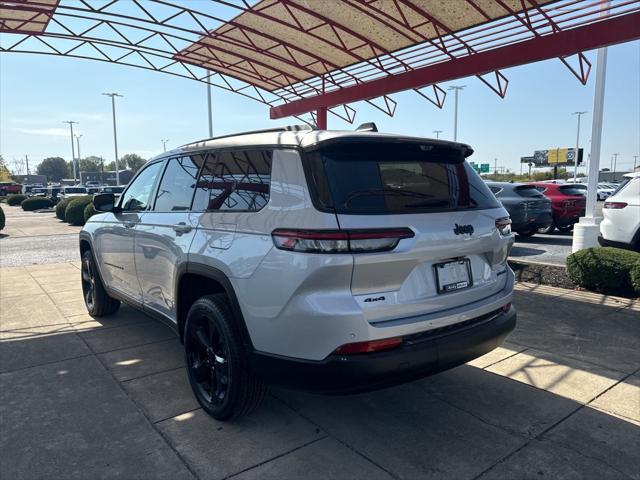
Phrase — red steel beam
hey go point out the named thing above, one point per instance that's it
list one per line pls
(567, 42)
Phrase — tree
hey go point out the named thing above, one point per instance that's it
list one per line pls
(133, 161)
(111, 166)
(5, 174)
(55, 168)
(90, 164)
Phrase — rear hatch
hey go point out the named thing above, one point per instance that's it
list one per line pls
(456, 256)
(576, 197)
(534, 204)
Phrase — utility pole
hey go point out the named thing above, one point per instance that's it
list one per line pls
(164, 144)
(115, 134)
(209, 113)
(437, 132)
(73, 153)
(635, 160)
(26, 159)
(79, 156)
(577, 150)
(101, 170)
(456, 89)
(495, 168)
(614, 159)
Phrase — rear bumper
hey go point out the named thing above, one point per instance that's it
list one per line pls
(566, 218)
(538, 221)
(420, 355)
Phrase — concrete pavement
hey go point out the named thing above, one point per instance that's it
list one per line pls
(109, 398)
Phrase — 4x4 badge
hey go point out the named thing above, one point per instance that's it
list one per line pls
(462, 229)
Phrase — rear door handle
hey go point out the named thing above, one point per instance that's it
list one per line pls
(181, 228)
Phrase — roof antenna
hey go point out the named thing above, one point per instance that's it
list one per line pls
(367, 127)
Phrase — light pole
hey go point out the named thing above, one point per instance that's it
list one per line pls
(79, 156)
(577, 150)
(164, 144)
(115, 135)
(635, 161)
(456, 89)
(437, 132)
(614, 160)
(73, 153)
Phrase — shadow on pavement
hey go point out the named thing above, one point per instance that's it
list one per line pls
(110, 398)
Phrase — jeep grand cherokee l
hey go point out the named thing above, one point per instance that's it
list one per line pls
(332, 261)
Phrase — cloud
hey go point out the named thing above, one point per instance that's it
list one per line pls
(51, 132)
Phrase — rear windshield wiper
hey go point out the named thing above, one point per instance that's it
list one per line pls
(383, 192)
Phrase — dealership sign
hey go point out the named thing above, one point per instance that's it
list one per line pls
(553, 157)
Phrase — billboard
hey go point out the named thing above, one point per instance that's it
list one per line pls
(553, 157)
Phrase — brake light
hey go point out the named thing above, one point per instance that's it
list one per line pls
(504, 225)
(614, 205)
(339, 241)
(370, 346)
(506, 307)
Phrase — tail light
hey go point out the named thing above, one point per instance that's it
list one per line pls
(339, 241)
(506, 307)
(370, 346)
(614, 205)
(504, 225)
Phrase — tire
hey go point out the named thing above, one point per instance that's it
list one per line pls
(566, 229)
(96, 299)
(547, 230)
(527, 233)
(216, 359)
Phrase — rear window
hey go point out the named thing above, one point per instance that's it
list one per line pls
(75, 190)
(528, 191)
(573, 189)
(386, 178)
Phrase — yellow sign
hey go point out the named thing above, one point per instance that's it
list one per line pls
(557, 155)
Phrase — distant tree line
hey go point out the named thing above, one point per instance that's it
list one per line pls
(57, 168)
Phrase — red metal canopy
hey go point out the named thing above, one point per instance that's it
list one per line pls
(300, 56)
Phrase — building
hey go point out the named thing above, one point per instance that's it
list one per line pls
(608, 176)
(107, 177)
(30, 179)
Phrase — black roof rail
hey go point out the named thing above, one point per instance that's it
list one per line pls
(288, 128)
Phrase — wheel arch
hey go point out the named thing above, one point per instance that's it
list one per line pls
(194, 280)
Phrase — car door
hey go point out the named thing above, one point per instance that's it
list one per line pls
(115, 237)
(164, 234)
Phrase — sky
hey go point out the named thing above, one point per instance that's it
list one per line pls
(38, 93)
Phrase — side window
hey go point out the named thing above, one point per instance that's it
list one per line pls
(137, 195)
(177, 185)
(495, 190)
(234, 180)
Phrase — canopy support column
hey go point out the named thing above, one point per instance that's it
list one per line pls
(321, 118)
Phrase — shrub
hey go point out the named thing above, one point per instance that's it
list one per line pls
(3, 198)
(89, 211)
(635, 276)
(15, 199)
(36, 203)
(604, 269)
(74, 213)
(1, 218)
(61, 207)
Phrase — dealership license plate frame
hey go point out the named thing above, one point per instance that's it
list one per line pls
(459, 283)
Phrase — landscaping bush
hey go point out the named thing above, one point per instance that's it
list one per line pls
(635, 276)
(89, 211)
(74, 213)
(36, 203)
(15, 199)
(604, 269)
(3, 198)
(1, 218)
(60, 208)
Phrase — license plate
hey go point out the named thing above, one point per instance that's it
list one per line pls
(452, 276)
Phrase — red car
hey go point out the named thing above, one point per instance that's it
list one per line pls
(10, 187)
(568, 202)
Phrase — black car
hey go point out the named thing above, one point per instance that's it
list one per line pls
(528, 208)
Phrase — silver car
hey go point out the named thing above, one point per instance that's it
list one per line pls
(332, 261)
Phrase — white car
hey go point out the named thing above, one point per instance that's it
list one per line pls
(621, 224)
(72, 192)
(604, 191)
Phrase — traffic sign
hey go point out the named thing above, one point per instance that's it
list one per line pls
(484, 167)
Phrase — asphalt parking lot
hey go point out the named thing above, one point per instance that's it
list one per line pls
(84, 398)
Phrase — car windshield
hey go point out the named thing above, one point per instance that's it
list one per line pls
(393, 177)
(527, 191)
(75, 190)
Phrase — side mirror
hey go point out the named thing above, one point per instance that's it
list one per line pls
(104, 202)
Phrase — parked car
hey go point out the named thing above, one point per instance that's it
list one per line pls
(7, 188)
(605, 190)
(53, 192)
(621, 224)
(71, 192)
(331, 261)
(116, 190)
(92, 183)
(568, 204)
(529, 209)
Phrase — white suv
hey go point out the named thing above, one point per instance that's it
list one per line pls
(621, 224)
(332, 261)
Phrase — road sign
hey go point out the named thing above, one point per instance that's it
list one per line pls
(484, 167)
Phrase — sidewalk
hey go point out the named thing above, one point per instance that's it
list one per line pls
(85, 398)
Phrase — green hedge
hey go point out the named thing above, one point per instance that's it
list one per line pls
(604, 269)
(74, 213)
(2, 219)
(36, 203)
(89, 211)
(15, 199)
(61, 207)
(635, 276)
(3, 198)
